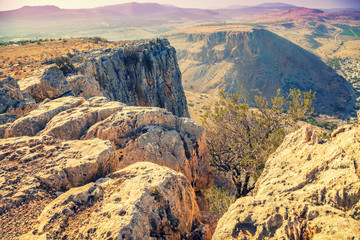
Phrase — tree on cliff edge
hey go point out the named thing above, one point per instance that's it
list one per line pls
(241, 138)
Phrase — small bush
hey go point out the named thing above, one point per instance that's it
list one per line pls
(65, 64)
(220, 199)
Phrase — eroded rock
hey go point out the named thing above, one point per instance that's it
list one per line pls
(12, 100)
(264, 217)
(36, 120)
(155, 135)
(308, 190)
(162, 205)
(51, 84)
(73, 123)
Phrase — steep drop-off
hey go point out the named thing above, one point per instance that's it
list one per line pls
(216, 57)
(141, 73)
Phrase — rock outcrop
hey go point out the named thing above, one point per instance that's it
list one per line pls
(309, 190)
(142, 73)
(157, 136)
(36, 120)
(223, 57)
(69, 142)
(161, 206)
(12, 100)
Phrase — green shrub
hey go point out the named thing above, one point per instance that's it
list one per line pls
(220, 199)
(65, 64)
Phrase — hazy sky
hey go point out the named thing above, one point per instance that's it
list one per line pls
(71, 4)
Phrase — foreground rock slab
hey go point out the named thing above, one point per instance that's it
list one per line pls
(34, 169)
(142, 201)
(155, 135)
(309, 189)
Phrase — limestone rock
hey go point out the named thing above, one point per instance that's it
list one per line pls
(36, 120)
(264, 217)
(155, 135)
(308, 190)
(84, 86)
(162, 205)
(316, 173)
(144, 73)
(73, 123)
(51, 84)
(29, 164)
(12, 100)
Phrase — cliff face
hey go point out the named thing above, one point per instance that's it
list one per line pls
(258, 60)
(142, 73)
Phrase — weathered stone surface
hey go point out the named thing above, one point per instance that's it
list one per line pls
(36, 120)
(161, 206)
(321, 174)
(12, 100)
(84, 86)
(155, 135)
(51, 84)
(264, 217)
(29, 164)
(309, 190)
(73, 123)
(144, 73)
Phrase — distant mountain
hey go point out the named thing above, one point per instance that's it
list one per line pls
(135, 20)
(276, 5)
(340, 9)
(213, 58)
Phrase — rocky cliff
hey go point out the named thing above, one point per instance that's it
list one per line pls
(74, 151)
(226, 57)
(70, 142)
(310, 189)
(141, 73)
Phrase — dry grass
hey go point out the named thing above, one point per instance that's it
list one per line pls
(197, 102)
(22, 61)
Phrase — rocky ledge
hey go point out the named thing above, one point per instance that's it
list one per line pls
(70, 142)
(309, 189)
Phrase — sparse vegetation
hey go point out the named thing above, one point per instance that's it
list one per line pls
(220, 199)
(65, 64)
(240, 138)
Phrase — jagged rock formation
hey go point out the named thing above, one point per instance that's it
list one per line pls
(12, 100)
(309, 190)
(142, 73)
(223, 57)
(161, 206)
(69, 141)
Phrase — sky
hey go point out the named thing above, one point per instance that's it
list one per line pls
(73, 4)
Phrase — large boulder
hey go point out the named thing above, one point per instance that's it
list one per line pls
(73, 123)
(160, 137)
(51, 84)
(142, 201)
(309, 189)
(264, 217)
(12, 100)
(36, 120)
